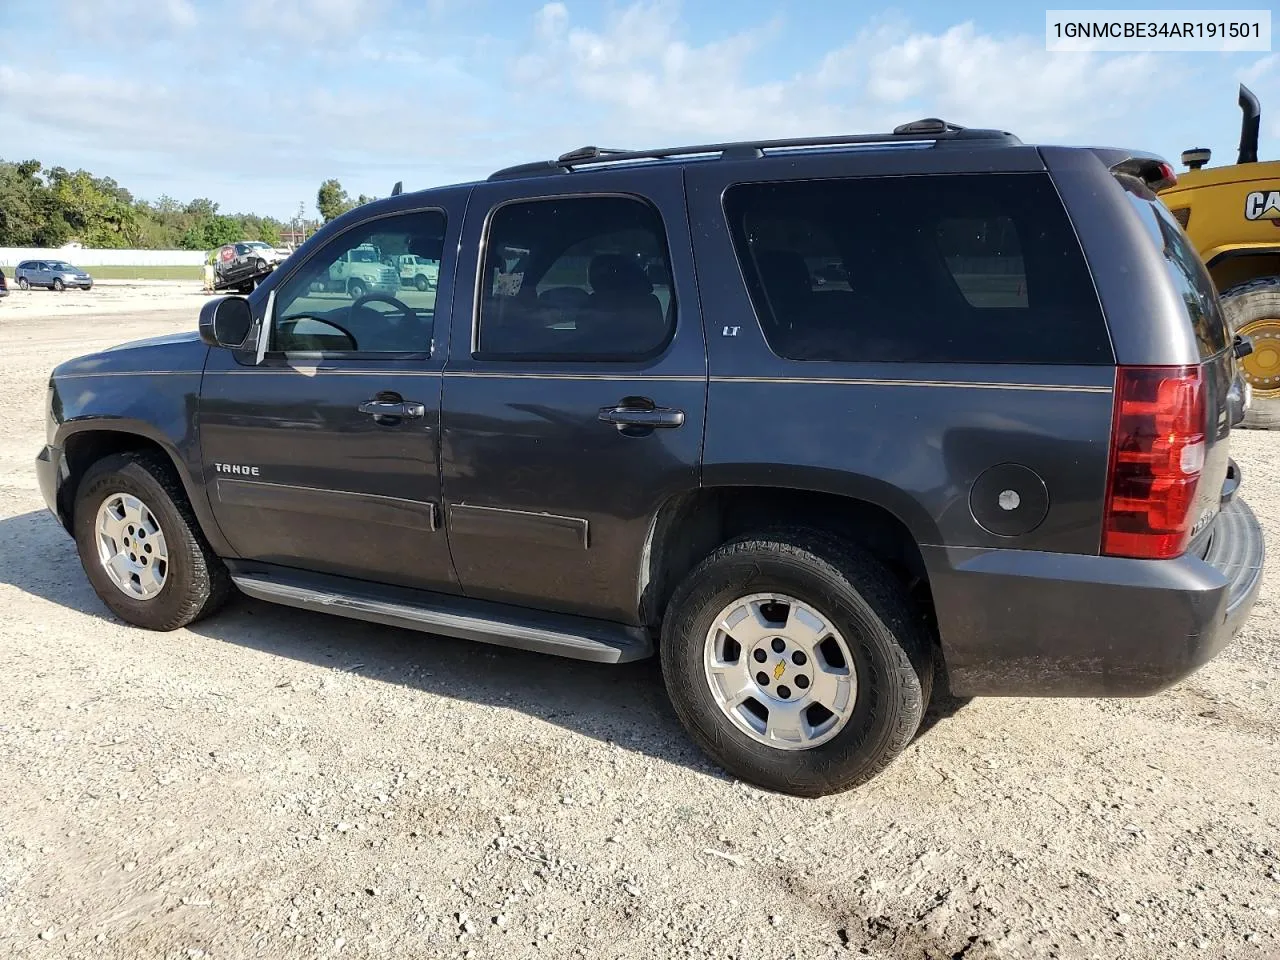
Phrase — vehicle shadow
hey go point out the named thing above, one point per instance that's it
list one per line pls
(623, 704)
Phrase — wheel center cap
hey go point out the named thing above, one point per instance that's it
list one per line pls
(779, 669)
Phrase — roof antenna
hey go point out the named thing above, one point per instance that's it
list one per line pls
(398, 188)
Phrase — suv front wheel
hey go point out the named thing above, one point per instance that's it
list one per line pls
(796, 662)
(141, 545)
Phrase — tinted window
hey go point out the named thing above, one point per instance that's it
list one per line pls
(1190, 277)
(346, 299)
(581, 278)
(958, 269)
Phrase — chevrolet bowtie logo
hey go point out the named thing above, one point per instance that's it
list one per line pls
(779, 670)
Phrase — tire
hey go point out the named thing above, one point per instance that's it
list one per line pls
(1253, 309)
(23, 284)
(196, 583)
(891, 650)
(356, 290)
(57, 285)
(421, 282)
(260, 265)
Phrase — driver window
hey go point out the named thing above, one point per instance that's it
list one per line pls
(371, 290)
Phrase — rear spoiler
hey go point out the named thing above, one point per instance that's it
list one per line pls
(1153, 170)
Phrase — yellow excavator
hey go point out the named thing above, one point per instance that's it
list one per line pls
(1232, 215)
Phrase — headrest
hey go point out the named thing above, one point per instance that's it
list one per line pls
(619, 275)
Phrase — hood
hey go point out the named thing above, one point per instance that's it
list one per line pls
(171, 353)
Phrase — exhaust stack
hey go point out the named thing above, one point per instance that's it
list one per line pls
(1249, 122)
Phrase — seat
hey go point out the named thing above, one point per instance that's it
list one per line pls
(623, 315)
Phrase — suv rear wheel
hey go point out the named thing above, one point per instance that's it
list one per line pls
(141, 545)
(23, 284)
(795, 661)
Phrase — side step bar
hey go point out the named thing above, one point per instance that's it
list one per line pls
(580, 638)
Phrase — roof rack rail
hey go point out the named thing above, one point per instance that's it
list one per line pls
(928, 129)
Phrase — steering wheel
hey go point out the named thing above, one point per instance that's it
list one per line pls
(400, 305)
(293, 321)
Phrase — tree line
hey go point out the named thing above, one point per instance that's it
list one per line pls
(49, 207)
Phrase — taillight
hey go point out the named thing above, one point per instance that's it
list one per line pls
(1157, 453)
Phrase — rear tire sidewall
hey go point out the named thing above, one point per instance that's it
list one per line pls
(167, 609)
(1241, 305)
(853, 755)
(23, 284)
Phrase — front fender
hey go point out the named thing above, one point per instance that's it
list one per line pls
(160, 407)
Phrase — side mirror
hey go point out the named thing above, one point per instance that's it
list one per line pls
(225, 322)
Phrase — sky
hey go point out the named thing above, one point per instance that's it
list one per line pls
(253, 103)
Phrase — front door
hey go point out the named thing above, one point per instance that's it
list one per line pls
(322, 456)
(574, 398)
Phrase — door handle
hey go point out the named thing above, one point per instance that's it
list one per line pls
(646, 417)
(403, 409)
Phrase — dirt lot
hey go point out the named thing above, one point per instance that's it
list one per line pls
(280, 784)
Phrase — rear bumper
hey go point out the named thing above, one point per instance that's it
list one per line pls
(1021, 623)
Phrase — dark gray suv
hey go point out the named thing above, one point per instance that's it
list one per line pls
(817, 421)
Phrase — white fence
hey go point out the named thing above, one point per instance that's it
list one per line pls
(83, 257)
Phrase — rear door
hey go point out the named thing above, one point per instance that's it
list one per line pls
(575, 391)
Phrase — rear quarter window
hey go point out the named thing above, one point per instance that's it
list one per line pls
(943, 268)
(1187, 271)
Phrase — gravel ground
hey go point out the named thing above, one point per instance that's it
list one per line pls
(281, 784)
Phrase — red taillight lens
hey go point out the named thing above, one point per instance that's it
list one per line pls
(1157, 453)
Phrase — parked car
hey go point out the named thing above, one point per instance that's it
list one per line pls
(995, 453)
(242, 265)
(53, 274)
(4, 285)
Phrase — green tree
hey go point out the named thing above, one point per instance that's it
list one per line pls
(331, 200)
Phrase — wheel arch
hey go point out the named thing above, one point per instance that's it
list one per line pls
(1232, 266)
(84, 444)
(690, 526)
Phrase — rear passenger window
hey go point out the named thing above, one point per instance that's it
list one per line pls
(577, 278)
(941, 269)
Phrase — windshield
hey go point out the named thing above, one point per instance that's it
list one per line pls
(258, 243)
(363, 256)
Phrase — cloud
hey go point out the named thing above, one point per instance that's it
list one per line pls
(1261, 69)
(645, 77)
(164, 13)
(328, 23)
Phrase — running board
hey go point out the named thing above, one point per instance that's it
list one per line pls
(580, 638)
